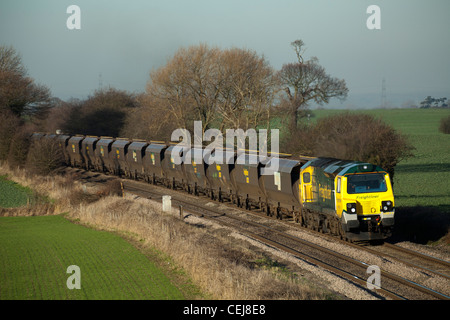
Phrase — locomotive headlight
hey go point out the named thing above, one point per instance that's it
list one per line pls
(351, 207)
(387, 206)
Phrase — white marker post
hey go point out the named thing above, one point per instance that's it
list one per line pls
(166, 203)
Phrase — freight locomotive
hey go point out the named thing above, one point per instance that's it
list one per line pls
(349, 199)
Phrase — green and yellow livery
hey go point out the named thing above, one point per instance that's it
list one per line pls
(349, 198)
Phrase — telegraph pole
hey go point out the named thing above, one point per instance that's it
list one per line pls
(100, 81)
(383, 93)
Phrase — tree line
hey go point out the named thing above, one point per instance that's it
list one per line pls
(430, 102)
(223, 88)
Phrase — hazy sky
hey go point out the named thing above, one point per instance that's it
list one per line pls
(124, 40)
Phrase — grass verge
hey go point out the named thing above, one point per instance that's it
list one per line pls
(205, 261)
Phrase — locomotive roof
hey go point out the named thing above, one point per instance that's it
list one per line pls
(336, 167)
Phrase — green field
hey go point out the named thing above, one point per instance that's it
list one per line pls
(12, 194)
(35, 253)
(423, 180)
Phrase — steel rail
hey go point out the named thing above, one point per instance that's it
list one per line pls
(309, 258)
(340, 256)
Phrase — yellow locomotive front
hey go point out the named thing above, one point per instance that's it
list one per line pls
(347, 198)
(365, 202)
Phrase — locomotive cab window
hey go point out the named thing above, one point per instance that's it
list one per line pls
(363, 183)
(338, 187)
(306, 177)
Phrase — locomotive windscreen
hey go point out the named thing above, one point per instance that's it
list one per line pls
(363, 183)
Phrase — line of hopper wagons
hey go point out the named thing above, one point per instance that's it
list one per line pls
(237, 179)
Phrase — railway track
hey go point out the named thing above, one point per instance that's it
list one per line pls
(423, 262)
(351, 269)
(426, 264)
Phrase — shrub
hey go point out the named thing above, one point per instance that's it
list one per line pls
(19, 146)
(445, 125)
(9, 123)
(112, 187)
(44, 157)
(348, 136)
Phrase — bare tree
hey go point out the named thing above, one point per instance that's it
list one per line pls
(150, 120)
(187, 86)
(306, 81)
(247, 85)
(57, 116)
(9, 124)
(230, 88)
(103, 113)
(20, 144)
(44, 157)
(353, 136)
(18, 92)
